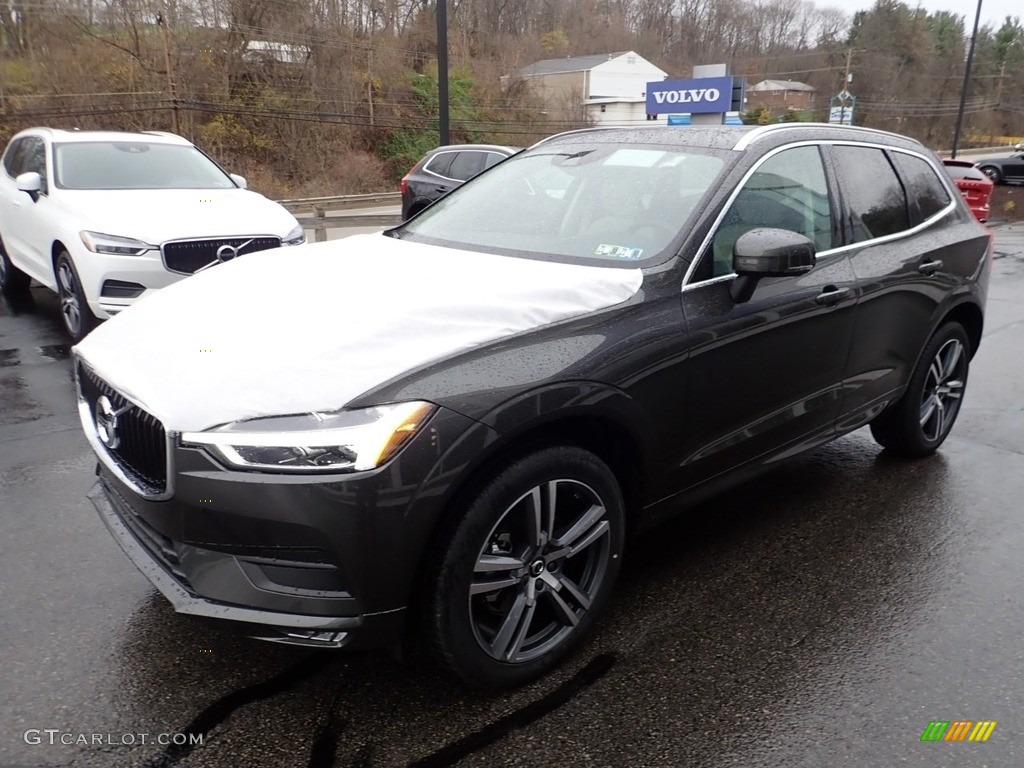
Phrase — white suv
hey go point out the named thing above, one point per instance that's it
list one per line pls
(104, 217)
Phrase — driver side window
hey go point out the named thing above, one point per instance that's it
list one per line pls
(787, 191)
(34, 159)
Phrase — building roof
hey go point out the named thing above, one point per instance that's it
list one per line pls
(569, 64)
(782, 85)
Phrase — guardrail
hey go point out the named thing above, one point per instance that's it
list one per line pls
(322, 222)
(342, 202)
(319, 220)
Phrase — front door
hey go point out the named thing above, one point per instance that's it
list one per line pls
(765, 375)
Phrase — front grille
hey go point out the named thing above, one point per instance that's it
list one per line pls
(142, 448)
(188, 256)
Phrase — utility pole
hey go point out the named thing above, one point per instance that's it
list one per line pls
(171, 85)
(967, 83)
(847, 77)
(442, 72)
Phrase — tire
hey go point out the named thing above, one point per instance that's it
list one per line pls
(12, 279)
(506, 601)
(74, 309)
(918, 423)
(992, 172)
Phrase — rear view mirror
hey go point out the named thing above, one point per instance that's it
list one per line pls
(31, 183)
(767, 252)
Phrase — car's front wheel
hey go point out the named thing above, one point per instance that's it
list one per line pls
(12, 279)
(918, 423)
(74, 309)
(527, 568)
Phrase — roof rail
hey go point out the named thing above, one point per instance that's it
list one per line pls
(748, 138)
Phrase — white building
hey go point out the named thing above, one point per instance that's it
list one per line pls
(610, 88)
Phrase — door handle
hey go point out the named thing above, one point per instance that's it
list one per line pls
(930, 267)
(830, 295)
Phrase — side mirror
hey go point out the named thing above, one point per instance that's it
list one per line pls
(767, 252)
(239, 180)
(30, 183)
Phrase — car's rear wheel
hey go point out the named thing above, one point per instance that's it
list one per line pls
(918, 423)
(12, 279)
(74, 309)
(992, 172)
(526, 569)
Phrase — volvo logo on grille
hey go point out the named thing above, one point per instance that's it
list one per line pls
(227, 252)
(106, 422)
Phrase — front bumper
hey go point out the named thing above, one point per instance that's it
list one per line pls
(327, 561)
(268, 625)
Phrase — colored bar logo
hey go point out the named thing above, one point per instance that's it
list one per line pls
(958, 730)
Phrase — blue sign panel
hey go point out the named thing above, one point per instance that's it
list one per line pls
(731, 118)
(705, 94)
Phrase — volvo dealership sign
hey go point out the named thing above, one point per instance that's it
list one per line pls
(705, 94)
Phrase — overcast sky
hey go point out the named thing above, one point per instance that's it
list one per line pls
(992, 11)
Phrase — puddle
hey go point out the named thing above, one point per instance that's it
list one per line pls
(56, 351)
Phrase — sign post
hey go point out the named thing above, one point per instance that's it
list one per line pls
(840, 110)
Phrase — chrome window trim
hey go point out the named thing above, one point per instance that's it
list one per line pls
(89, 427)
(839, 249)
(426, 168)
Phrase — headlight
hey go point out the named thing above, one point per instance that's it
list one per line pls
(296, 237)
(97, 242)
(343, 441)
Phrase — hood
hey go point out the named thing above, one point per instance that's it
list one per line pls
(261, 337)
(143, 214)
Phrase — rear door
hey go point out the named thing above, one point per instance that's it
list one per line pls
(900, 227)
(766, 375)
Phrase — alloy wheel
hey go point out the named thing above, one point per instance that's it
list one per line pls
(943, 390)
(70, 308)
(992, 173)
(539, 570)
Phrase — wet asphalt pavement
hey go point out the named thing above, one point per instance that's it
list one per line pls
(819, 616)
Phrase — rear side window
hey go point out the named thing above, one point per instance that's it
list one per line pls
(466, 165)
(925, 193)
(875, 201)
(440, 163)
(493, 158)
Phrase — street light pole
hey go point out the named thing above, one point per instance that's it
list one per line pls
(442, 71)
(967, 82)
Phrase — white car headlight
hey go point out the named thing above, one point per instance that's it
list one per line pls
(343, 441)
(296, 237)
(97, 242)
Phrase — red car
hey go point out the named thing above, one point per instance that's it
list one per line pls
(974, 185)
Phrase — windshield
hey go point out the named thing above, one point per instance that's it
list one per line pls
(598, 202)
(135, 165)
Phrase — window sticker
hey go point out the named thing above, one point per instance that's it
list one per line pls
(618, 252)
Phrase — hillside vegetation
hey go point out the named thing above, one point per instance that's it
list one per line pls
(339, 96)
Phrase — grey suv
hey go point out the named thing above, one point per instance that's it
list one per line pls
(443, 169)
(450, 430)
